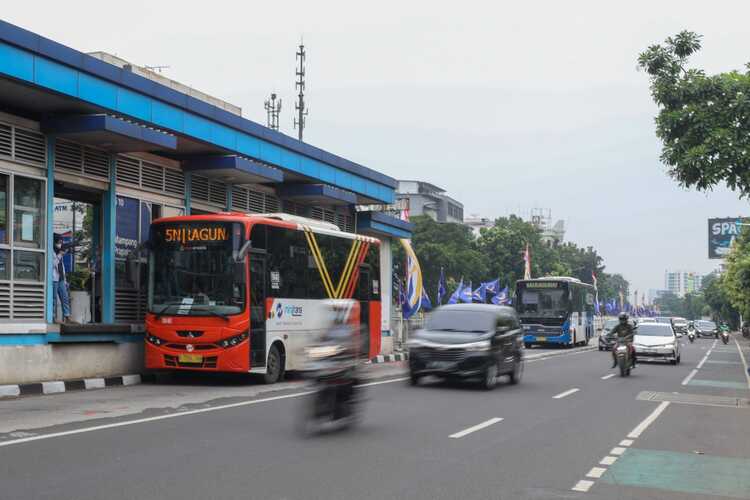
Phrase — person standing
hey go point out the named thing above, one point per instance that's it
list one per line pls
(59, 280)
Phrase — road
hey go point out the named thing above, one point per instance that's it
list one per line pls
(569, 430)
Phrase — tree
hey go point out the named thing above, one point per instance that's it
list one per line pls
(736, 281)
(718, 300)
(703, 121)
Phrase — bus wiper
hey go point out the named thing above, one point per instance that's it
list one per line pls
(158, 314)
(212, 312)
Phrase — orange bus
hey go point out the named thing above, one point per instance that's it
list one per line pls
(233, 292)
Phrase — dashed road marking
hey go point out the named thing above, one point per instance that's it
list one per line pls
(618, 450)
(475, 428)
(596, 472)
(690, 376)
(566, 393)
(608, 376)
(626, 442)
(608, 460)
(583, 486)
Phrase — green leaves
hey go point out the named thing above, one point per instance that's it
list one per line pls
(703, 121)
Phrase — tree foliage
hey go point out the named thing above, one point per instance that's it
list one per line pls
(703, 120)
(736, 281)
(691, 306)
(498, 253)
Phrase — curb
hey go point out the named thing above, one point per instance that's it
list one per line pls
(390, 358)
(59, 386)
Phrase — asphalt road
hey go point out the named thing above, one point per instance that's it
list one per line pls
(545, 438)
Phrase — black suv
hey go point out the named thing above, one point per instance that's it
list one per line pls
(468, 341)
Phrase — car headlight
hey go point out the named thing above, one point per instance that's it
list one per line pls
(483, 345)
(232, 341)
(415, 342)
(321, 352)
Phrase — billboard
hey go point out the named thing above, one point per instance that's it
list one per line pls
(721, 234)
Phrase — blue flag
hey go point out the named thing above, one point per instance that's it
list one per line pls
(501, 298)
(426, 304)
(466, 294)
(492, 286)
(457, 294)
(441, 287)
(480, 294)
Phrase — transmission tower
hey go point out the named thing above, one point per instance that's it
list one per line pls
(273, 108)
(300, 106)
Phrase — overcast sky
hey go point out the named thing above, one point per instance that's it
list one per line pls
(506, 105)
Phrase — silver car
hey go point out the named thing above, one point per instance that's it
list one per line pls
(657, 341)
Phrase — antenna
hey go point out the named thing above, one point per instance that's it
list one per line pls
(300, 106)
(273, 108)
(157, 69)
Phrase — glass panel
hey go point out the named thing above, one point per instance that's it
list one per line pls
(28, 265)
(4, 264)
(3, 209)
(28, 217)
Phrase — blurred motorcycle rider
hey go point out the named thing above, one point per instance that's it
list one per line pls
(625, 332)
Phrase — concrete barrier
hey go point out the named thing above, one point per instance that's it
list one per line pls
(36, 363)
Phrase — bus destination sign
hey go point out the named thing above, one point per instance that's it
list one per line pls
(542, 284)
(195, 234)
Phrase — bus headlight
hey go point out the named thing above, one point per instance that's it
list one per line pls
(232, 341)
(155, 340)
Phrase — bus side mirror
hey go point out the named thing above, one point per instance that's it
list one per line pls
(242, 252)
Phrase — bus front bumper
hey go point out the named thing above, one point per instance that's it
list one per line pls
(232, 359)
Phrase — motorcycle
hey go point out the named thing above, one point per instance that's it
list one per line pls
(336, 398)
(624, 359)
(691, 335)
(725, 336)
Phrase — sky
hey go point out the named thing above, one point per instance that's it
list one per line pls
(506, 105)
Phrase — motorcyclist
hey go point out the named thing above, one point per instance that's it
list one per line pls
(624, 331)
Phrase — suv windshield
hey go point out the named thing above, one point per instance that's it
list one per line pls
(457, 320)
(192, 271)
(654, 330)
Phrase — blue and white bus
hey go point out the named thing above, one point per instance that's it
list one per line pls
(556, 310)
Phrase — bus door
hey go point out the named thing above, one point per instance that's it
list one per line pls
(257, 310)
(364, 296)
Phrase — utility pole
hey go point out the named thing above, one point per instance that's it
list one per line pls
(300, 106)
(273, 108)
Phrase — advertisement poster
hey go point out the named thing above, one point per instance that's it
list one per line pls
(721, 235)
(126, 239)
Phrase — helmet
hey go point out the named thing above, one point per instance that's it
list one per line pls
(623, 317)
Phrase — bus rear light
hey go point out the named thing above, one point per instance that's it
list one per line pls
(232, 341)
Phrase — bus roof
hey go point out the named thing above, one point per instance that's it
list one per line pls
(556, 278)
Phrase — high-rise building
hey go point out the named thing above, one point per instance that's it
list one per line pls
(682, 282)
(423, 198)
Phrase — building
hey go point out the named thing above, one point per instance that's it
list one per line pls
(476, 223)
(132, 146)
(654, 294)
(551, 234)
(423, 198)
(682, 282)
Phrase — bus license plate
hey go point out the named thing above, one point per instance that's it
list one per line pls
(190, 358)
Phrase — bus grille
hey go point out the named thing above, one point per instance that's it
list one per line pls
(197, 347)
(208, 362)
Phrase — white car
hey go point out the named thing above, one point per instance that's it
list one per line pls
(657, 340)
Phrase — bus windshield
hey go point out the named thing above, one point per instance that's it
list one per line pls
(192, 269)
(552, 302)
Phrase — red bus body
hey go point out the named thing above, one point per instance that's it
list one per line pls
(179, 341)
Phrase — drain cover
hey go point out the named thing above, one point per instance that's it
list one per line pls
(694, 399)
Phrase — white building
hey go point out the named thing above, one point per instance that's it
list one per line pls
(476, 222)
(681, 282)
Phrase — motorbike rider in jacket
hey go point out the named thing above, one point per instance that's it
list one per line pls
(624, 332)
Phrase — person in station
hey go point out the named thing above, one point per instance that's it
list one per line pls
(59, 279)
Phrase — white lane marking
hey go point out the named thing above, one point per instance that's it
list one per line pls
(587, 349)
(608, 376)
(626, 442)
(636, 433)
(583, 486)
(608, 460)
(617, 451)
(566, 393)
(175, 415)
(744, 362)
(389, 381)
(690, 376)
(475, 428)
(596, 472)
